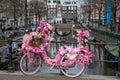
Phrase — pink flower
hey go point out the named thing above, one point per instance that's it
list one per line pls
(76, 50)
(26, 38)
(49, 26)
(83, 34)
(69, 48)
(42, 23)
(80, 34)
(62, 51)
(86, 33)
(33, 33)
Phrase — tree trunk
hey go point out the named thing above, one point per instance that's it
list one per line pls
(115, 18)
(14, 18)
(26, 19)
(99, 19)
(89, 19)
(36, 20)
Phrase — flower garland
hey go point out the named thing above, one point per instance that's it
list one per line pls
(36, 39)
(83, 37)
(84, 56)
(39, 37)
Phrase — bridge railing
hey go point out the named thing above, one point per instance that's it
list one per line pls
(97, 49)
(8, 45)
(104, 38)
(103, 54)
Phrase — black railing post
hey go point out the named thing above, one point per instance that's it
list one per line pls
(10, 64)
(118, 75)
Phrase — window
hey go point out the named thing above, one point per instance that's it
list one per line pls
(71, 7)
(72, 12)
(65, 8)
(63, 12)
(68, 7)
(48, 15)
(53, 9)
(54, 6)
(54, 14)
(69, 12)
(48, 1)
(75, 8)
(54, 1)
(49, 6)
(58, 2)
(74, 2)
(48, 11)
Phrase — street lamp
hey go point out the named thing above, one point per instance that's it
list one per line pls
(73, 30)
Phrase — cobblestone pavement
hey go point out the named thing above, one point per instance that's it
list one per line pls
(51, 76)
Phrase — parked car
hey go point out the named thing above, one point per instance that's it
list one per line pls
(22, 29)
(33, 27)
(9, 34)
(21, 32)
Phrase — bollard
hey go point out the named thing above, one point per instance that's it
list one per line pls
(10, 64)
(118, 75)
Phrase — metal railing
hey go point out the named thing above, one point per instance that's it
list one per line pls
(104, 38)
(96, 48)
(10, 56)
(99, 50)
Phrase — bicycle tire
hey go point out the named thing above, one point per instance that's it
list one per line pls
(23, 64)
(79, 70)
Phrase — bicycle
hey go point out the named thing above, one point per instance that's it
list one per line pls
(67, 61)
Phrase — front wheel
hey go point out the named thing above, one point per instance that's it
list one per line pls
(73, 71)
(30, 65)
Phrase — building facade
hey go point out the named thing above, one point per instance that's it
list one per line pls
(54, 12)
(118, 19)
(69, 11)
(59, 14)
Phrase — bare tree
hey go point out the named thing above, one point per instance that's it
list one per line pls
(88, 8)
(116, 4)
(12, 8)
(38, 8)
(98, 6)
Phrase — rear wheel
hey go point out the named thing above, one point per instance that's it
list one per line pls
(30, 65)
(72, 71)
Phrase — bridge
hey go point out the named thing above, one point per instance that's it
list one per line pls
(101, 60)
